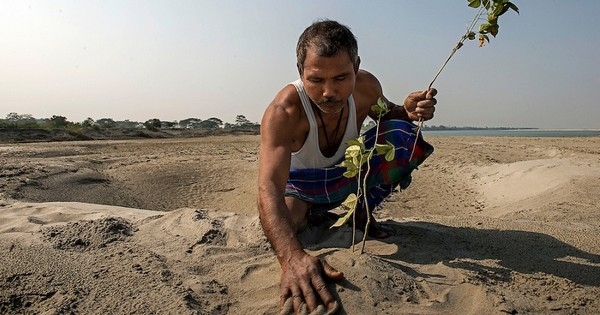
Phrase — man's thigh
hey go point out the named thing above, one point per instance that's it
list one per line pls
(298, 209)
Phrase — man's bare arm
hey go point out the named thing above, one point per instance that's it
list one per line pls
(301, 274)
(274, 163)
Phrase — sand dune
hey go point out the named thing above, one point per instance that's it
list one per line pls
(489, 225)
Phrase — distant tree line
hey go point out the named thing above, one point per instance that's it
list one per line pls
(15, 121)
(450, 128)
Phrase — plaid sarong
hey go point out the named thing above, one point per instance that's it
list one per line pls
(327, 187)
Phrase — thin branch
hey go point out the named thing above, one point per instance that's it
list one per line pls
(458, 45)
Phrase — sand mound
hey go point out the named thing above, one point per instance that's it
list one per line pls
(82, 235)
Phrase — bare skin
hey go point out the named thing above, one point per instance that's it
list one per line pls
(329, 81)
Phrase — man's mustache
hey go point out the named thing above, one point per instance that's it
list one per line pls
(330, 101)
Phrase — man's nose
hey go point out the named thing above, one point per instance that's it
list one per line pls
(329, 90)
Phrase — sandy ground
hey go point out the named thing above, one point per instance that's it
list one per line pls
(489, 225)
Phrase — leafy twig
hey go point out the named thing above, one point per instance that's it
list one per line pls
(356, 155)
(494, 9)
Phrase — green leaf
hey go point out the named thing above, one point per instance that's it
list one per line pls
(471, 35)
(349, 203)
(380, 108)
(357, 163)
(382, 148)
(497, 11)
(487, 4)
(474, 3)
(513, 7)
(353, 151)
(350, 173)
(483, 28)
(391, 153)
(383, 105)
(342, 164)
(494, 30)
(356, 141)
(342, 220)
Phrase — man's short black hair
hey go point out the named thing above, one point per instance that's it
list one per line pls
(329, 37)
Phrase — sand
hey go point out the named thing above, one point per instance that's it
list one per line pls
(490, 225)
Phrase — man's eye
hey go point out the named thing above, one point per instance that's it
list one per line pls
(341, 78)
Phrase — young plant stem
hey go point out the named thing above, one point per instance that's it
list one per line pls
(458, 45)
(367, 209)
(364, 185)
(359, 194)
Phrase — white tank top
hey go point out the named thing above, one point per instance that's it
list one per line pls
(310, 156)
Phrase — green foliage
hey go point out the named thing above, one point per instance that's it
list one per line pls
(90, 129)
(152, 124)
(494, 9)
(190, 123)
(168, 124)
(211, 123)
(88, 123)
(241, 120)
(19, 121)
(106, 123)
(58, 122)
(356, 156)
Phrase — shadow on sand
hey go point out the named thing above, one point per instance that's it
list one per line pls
(521, 251)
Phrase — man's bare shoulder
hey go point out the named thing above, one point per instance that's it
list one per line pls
(284, 119)
(287, 103)
(367, 89)
(366, 81)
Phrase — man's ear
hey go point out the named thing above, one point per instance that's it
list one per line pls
(300, 69)
(357, 64)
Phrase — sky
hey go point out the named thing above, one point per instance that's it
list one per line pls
(173, 60)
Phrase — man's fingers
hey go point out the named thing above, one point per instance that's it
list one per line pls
(333, 307)
(431, 93)
(331, 272)
(329, 301)
(310, 298)
(287, 307)
(297, 301)
(285, 294)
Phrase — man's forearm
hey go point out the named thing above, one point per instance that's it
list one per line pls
(397, 112)
(279, 231)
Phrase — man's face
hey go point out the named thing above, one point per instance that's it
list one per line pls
(329, 81)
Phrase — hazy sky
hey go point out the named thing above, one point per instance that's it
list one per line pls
(173, 60)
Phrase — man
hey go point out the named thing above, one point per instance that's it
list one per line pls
(304, 129)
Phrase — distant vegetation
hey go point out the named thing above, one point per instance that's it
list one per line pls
(450, 128)
(26, 128)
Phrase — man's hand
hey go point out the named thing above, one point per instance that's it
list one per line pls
(420, 105)
(303, 288)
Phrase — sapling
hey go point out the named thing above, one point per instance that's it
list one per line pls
(357, 155)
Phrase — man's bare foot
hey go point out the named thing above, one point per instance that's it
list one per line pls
(376, 230)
